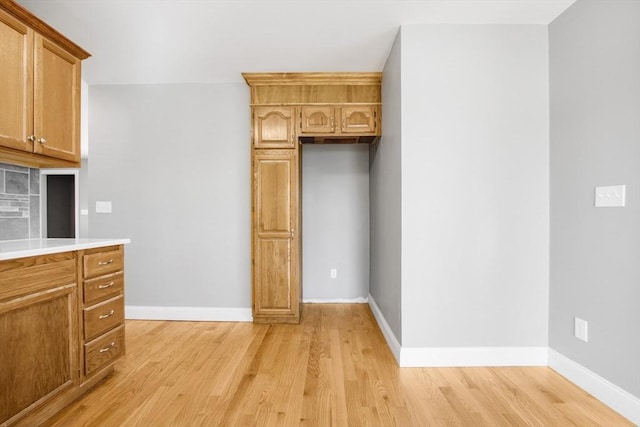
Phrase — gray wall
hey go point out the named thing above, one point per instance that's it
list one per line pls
(475, 186)
(335, 221)
(385, 197)
(595, 140)
(83, 197)
(19, 202)
(175, 162)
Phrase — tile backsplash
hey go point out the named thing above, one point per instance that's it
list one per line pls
(19, 202)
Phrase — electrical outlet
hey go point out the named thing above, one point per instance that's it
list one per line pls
(581, 329)
(334, 273)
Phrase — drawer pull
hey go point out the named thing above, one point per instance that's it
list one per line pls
(104, 316)
(108, 285)
(107, 348)
(105, 262)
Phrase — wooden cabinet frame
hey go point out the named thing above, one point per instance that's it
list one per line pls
(45, 361)
(286, 108)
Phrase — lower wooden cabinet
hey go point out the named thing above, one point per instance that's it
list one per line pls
(38, 332)
(103, 307)
(276, 236)
(59, 333)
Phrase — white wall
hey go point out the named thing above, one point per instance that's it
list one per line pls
(595, 141)
(475, 186)
(335, 221)
(385, 198)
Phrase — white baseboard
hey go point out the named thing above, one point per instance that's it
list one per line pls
(388, 334)
(359, 300)
(208, 314)
(608, 393)
(457, 356)
(414, 357)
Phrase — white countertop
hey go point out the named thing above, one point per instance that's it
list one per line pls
(11, 249)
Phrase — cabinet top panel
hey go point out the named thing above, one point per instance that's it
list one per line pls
(324, 79)
(314, 88)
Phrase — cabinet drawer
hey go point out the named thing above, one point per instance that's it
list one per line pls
(102, 263)
(101, 317)
(101, 351)
(101, 288)
(28, 275)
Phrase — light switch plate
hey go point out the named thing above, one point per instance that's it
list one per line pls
(103, 207)
(610, 197)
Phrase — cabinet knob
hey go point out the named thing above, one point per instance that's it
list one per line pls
(32, 138)
(42, 140)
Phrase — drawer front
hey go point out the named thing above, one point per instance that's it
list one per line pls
(102, 263)
(102, 351)
(101, 317)
(28, 275)
(102, 288)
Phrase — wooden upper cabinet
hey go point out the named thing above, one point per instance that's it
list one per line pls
(359, 119)
(273, 127)
(57, 101)
(315, 119)
(16, 80)
(39, 92)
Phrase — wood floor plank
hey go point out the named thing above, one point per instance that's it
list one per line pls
(333, 369)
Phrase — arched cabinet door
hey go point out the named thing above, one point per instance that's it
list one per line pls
(359, 119)
(314, 119)
(273, 127)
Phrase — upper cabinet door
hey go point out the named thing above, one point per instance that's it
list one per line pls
(57, 101)
(317, 120)
(360, 119)
(273, 127)
(16, 84)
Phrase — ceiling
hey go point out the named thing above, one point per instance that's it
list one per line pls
(213, 41)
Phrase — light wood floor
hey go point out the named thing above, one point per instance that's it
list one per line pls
(334, 369)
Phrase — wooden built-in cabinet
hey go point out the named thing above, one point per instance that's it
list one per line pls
(274, 127)
(61, 329)
(103, 307)
(276, 258)
(39, 92)
(288, 109)
(38, 332)
(361, 119)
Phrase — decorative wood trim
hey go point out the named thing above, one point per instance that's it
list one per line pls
(43, 28)
(341, 79)
(32, 160)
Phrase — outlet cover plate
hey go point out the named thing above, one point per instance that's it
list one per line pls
(610, 197)
(581, 329)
